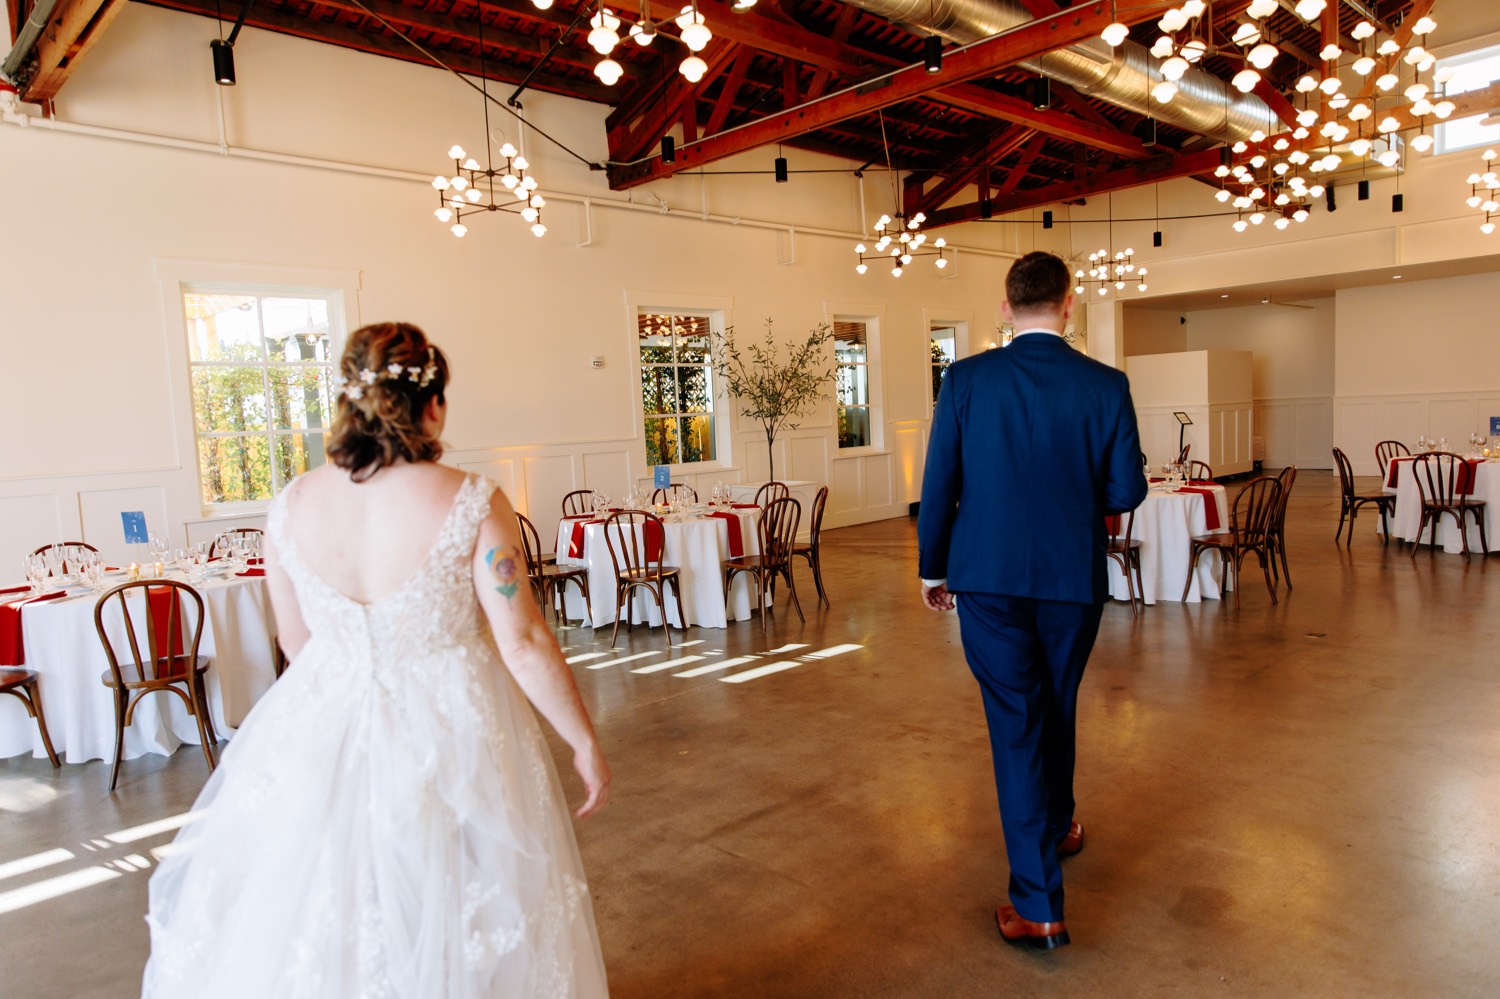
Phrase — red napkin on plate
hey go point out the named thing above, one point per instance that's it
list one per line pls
(12, 648)
(1210, 506)
(252, 572)
(736, 532)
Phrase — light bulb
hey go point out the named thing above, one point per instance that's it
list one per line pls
(696, 36)
(1282, 222)
(609, 72)
(472, 194)
(529, 214)
(1444, 108)
(1339, 133)
(441, 183)
(1257, 136)
(940, 242)
(1194, 8)
(1489, 206)
(542, 4)
(1389, 158)
(1362, 30)
(1388, 47)
(1423, 26)
(1281, 169)
(456, 152)
(905, 259)
(1261, 9)
(539, 230)
(1194, 50)
(1308, 117)
(1307, 84)
(1414, 55)
(1246, 34)
(860, 248)
(1263, 55)
(860, 268)
(1316, 191)
(458, 183)
(1330, 86)
(1473, 201)
(1258, 160)
(1389, 124)
(1339, 101)
(508, 151)
(1103, 290)
(509, 181)
(1309, 9)
(1332, 162)
(1416, 91)
(1257, 218)
(1363, 65)
(603, 40)
(1330, 53)
(896, 271)
(471, 164)
(1422, 143)
(1164, 91)
(1360, 147)
(1242, 202)
(1360, 112)
(1421, 107)
(1300, 215)
(1487, 228)
(1173, 20)
(1386, 81)
(1245, 80)
(1300, 133)
(1280, 145)
(643, 33)
(1174, 68)
(1221, 171)
(1114, 34)
(444, 214)
(940, 263)
(458, 229)
(1257, 192)
(537, 201)
(520, 163)
(693, 68)
(1488, 155)
(529, 183)
(1163, 46)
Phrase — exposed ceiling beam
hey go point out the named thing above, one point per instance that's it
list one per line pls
(1099, 182)
(974, 62)
(74, 27)
(1403, 36)
(985, 155)
(630, 140)
(1023, 166)
(730, 91)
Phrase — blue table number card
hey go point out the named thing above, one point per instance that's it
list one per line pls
(662, 476)
(1495, 426)
(135, 527)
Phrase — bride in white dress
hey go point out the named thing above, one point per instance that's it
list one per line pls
(388, 821)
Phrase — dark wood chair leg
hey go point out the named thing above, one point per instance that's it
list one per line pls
(1484, 542)
(200, 714)
(1267, 556)
(1344, 511)
(619, 606)
(817, 568)
(41, 723)
(681, 614)
(1187, 587)
(760, 602)
(1286, 572)
(114, 772)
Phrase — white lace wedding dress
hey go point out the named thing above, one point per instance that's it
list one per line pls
(387, 821)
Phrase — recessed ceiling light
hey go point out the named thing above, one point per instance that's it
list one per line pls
(1395, 277)
(1223, 296)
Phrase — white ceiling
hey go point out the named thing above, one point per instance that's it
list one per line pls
(1322, 286)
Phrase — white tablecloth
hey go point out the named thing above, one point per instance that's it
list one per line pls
(63, 647)
(697, 546)
(1165, 524)
(1409, 509)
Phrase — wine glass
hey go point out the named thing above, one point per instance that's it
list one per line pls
(1442, 444)
(37, 572)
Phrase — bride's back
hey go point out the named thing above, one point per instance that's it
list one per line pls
(367, 539)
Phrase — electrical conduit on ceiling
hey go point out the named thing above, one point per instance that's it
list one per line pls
(1124, 77)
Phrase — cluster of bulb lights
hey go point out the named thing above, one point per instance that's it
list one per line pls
(1484, 192)
(471, 188)
(903, 246)
(692, 29)
(1272, 184)
(1106, 269)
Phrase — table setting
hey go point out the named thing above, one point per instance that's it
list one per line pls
(48, 626)
(694, 537)
(1175, 509)
(1478, 478)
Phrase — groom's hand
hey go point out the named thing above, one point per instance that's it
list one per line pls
(937, 597)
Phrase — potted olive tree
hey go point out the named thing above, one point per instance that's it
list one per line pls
(773, 389)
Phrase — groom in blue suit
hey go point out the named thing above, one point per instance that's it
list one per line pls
(1031, 447)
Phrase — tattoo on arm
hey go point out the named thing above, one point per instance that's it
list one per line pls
(504, 565)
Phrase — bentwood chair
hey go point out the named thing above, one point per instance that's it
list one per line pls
(812, 548)
(21, 684)
(578, 502)
(1199, 471)
(1444, 481)
(770, 492)
(234, 537)
(279, 661)
(1124, 549)
(662, 496)
(1250, 519)
(1145, 461)
(1350, 501)
(167, 662)
(548, 579)
(636, 540)
(1287, 478)
(1182, 456)
(65, 544)
(1385, 451)
(778, 536)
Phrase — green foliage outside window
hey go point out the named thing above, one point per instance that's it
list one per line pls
(677, 396)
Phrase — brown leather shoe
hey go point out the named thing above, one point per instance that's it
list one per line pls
(1072, 843)
(1025, 933)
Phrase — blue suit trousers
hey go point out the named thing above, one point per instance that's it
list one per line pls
(1028, 656)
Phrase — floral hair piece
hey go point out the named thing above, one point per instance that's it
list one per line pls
(421, 377)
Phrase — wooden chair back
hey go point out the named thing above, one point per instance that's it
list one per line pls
(627, 532)
(1199, 471)
(1437, 474)
(531, 544)
(1346, 474)
(63, 544)
(1253, 513)
(665, 495)
(234, 535)
(1127, 521)
(770, 492)
(1386, 450)
(578, 502)
(165, 655)
(1287, 478)
(820, 501)
(778, 529)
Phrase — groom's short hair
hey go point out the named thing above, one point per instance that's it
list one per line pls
(1036, 282)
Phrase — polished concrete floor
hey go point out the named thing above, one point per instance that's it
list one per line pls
(1298, 800)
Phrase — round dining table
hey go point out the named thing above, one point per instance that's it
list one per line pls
(1401, 482)
(1165, 524)
(694, 543)
(61, 644)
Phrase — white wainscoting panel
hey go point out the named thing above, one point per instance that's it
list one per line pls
(28, 522)
(877, 476)
(606, 470)
(845, 491)
(548, 478)
(808, 458)
(500, 471)
(908, 452)
(1361, 422)
(100, 511)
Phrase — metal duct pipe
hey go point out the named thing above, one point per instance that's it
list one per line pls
(27, 36)
(1204, 104)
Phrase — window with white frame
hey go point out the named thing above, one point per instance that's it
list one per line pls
(851, 355)
(1471, 71)
(261, 369)
(677, 387)
(942, 351)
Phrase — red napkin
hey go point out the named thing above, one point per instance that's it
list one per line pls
(23, 588)
(575, 540)
(252, 572)
(736, 532)
(1202, 482)
(1156, 478)
(1465, 483)
(1392, 471)
(12, 648)
(745, 506)
(1112, 525)
(163, 614)
(1210, 506)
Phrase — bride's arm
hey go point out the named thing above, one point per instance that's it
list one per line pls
(291, 632)
(529, 647)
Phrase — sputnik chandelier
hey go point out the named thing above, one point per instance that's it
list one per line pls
(1484, 192)
(904, 246)
(1278, 177)
(1110, 268)
(692, 29)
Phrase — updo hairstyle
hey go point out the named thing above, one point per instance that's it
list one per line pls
(388, 374)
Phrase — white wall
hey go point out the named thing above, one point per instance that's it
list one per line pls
(1416, 358)
(1154, 331)
(103, 224)
(1213, 387)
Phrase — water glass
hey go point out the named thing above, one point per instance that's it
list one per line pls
(37, 572)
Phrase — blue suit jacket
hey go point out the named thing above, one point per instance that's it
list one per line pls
(1032, 445)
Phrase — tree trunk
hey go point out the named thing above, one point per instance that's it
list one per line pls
(771, 453)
